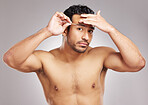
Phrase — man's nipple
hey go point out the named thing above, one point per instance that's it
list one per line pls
(93, 85)
(55, 87)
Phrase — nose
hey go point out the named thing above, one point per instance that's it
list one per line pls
(85, 36)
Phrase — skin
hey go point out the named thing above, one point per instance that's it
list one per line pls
(74, 73)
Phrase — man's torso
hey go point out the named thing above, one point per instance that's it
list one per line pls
(80, 82)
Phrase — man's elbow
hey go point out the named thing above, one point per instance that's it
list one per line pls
(7, 58)
(140, 65)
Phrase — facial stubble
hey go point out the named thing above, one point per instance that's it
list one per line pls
(73, 46)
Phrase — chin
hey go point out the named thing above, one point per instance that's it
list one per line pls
(80, 50)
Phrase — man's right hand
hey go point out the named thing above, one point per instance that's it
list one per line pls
(58, 23)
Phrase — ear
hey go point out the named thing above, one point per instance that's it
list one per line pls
(65, 32)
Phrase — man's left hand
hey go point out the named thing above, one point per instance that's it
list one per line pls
(97, 21)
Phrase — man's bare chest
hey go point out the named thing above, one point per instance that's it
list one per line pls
(81, 76)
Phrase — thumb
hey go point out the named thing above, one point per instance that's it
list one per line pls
(66, 25)
(98, 13)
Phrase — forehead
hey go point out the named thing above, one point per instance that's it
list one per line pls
(76, 18)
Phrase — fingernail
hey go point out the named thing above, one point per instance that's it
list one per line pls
(83, 15)
(68, 23)
(80, 20)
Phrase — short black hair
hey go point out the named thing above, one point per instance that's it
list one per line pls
(77, 9)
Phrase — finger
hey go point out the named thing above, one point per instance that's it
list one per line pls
(66, 25)
(82, 20)
(67, 20)
(66, 17)
(62, 18)
(59, 15)
(88, 21)
(98, 13)
(63, 15)
(87, 15)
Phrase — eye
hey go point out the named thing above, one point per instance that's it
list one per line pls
(79, 29)
(90, 31)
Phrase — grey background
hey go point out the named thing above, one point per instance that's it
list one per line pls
(22, 18)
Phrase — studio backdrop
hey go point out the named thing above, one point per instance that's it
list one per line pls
(22, 18)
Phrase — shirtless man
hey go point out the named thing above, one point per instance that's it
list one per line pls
(74, 73)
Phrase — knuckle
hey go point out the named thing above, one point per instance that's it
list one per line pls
(57, 12)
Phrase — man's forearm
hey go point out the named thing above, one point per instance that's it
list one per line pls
(129, 51)
(22, 50)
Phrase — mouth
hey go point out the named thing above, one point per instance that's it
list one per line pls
(84, 44)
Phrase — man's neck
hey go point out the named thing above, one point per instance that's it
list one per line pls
(70, 55)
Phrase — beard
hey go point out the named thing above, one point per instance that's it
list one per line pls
(79, 49)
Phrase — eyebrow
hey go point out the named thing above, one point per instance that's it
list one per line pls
(93, 27)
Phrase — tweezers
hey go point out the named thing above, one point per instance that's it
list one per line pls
(74, 24)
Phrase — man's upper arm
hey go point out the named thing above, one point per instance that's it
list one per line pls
(115, 62)
(32, 63)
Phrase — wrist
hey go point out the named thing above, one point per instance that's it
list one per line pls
(46, 32)
(111, 29)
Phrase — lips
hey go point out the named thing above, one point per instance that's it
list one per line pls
(83, 44)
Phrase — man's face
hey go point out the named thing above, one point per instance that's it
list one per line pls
(79, 35)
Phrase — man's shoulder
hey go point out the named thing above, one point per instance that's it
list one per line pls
(102, 49)
(43, 53)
